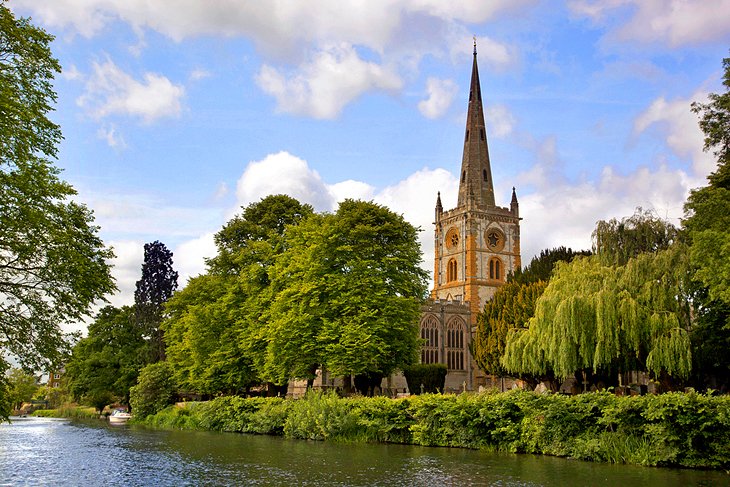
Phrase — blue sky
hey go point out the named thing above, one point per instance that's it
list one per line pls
(178, 112)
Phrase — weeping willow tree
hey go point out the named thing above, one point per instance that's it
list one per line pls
(609, 318)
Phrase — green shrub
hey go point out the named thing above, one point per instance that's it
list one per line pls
(425, 378)
(690, 430)
(155, 390)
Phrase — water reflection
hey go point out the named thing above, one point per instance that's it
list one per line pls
(55, 452)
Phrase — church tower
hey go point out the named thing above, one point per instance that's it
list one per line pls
(477, 243)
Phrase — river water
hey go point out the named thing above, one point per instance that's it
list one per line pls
(42, 451)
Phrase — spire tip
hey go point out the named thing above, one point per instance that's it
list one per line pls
(475, 45)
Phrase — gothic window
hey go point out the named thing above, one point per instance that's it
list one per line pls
(481, 134)
(495, 269)
(455, 344)
(430, 337)
(451, 269)
(466, 139)
(463, 176)
(484, 175)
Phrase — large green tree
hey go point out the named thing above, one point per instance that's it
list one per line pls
(53, 264)
(347, 290)
(624, 308)
(23, 386)
(105, 364)
(216, 331)
(707, 224)
(154, 289)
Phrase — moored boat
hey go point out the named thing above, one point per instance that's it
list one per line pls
(119, 416)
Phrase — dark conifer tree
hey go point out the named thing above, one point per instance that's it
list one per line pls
(158, 282)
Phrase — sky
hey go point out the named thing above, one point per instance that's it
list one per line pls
(177, 113)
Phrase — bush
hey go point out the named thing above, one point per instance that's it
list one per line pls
(677, 429)
(155, 389)
(428, 378)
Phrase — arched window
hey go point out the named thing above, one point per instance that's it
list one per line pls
(455, 344)
(466, 139)
(430, 337)
(484, 175)
(463, 176)
(451, 268)
(495, 269)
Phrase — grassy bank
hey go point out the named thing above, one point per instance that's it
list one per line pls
(72, 412)
(676, 429)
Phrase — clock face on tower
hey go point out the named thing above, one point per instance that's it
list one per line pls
(495, 239)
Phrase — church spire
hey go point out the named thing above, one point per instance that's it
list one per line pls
(475, 188)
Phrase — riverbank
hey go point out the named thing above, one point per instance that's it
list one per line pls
(674, 429)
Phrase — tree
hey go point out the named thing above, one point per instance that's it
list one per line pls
(512, 306)
(215, 334)
(707, 211)
(156, 286)
(609, 319)
(615, 242)
(53, 265)
(105, 364)
(347, 293)
(706, 222)
(155, 389)
(23, 387)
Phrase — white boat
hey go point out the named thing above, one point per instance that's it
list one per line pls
(119, 416)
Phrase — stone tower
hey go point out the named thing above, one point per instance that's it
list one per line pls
(477, 243)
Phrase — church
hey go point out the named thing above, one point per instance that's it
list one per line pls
(477, 244)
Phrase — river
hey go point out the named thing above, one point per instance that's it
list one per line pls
(38, 451)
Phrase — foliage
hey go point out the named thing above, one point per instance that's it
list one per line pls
(615, 242)
(105, 364)
(53, 265)
(676, 429)
(260, 222)
(541, 266)
(68, 411)
(155, 287)
(22, 387)
(155, 389)
(216, 329)
(347, 293)
(5, 401)
(428, 378)
(512, 306)
(606, 318)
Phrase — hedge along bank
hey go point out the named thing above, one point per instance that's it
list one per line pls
(673, 429)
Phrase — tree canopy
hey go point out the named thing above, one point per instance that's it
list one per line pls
(512, 306)
(154, 289)
(291, 291)
(53, 265)
(105, 364)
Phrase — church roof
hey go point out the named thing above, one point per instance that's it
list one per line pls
(475, 187)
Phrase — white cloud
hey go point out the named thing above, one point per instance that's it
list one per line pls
(111, 91)
(441, 94)
(198, 74)
(322, 87)
(127, 269)
(500, 120)
(71, 73)
(111, 136)
(671, 22)
(283, 173)
(189, 257)
(492, 54)
(678, 126)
